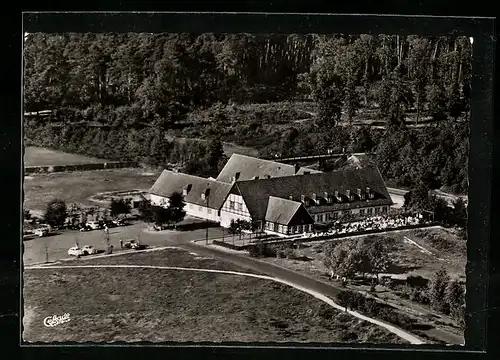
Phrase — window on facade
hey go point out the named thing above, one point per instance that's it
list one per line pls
(209, 211)
(369, 211)
(377, 210)
(335, 215)
(280, 228)
(231, 204)
(275, 227)
(200, 208)
(361, 211)
(384, 209)
(346, 212)
(240, 206)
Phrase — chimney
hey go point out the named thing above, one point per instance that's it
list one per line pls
(290, 197)
(256, 178)
(348, 193)
(337, 195)
(237, 176)
(205, 193)
(268, 176)
(303, 198)
(297, 168)
(370, 193)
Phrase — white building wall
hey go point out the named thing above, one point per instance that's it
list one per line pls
(202, 212)
(234, 208)
(370, 210)
(191, 209)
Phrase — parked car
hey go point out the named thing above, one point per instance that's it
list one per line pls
(85, 228)
(43, 231)
(94, 225)
(84, 250)
(110, 224)
(132, 244)
(118, 222)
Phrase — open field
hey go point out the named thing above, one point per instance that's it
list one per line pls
(77, 187)
(37, 156)
(172, 305)
(444, 249)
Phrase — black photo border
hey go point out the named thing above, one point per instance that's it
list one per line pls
(480, 159)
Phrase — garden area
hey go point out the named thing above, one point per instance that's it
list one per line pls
(418, 274)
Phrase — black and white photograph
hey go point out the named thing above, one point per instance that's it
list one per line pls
(245, 187)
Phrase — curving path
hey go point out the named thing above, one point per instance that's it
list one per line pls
(402, 334)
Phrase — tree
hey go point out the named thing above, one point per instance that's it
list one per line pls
(119, 206)
(340, 259)
(437, 290)
(436, 100)
(233, 228)
(418, 66)
(455, 297)
(160, 215)
(330, 94)
(56, 213)
(459, 213)
(377, 252)
(418, 199)
(146, 211)
(175, 210)
(215, 153)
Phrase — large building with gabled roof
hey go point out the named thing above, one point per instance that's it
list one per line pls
(282, 199)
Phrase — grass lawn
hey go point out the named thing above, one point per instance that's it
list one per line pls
(171, 305)
(447, 250)
(77, 187)
(37, 156)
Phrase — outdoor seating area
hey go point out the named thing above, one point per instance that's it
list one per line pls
(369, 224)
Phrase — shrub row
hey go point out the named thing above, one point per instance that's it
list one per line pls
(78, 167)
(370, 307)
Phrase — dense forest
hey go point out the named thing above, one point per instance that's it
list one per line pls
(117, 96)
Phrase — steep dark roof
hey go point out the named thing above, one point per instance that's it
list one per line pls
(284, 212)
(249, 167)
(170, 181)
(257, 192)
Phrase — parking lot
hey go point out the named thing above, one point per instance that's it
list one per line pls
(55, 247)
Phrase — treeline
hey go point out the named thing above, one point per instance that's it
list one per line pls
(144, 146)
(158, 78)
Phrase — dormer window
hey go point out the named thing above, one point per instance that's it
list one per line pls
(370, 193)
(337, 196)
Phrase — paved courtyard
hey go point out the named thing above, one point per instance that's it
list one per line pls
(55, 247)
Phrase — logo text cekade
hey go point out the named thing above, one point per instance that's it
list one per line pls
(51, 321)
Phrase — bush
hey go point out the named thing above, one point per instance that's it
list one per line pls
(326, 312)
(416, 281)
(262, 250)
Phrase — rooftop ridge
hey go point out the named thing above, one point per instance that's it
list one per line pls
(195, 177)
(318, 174)
(260, 159)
